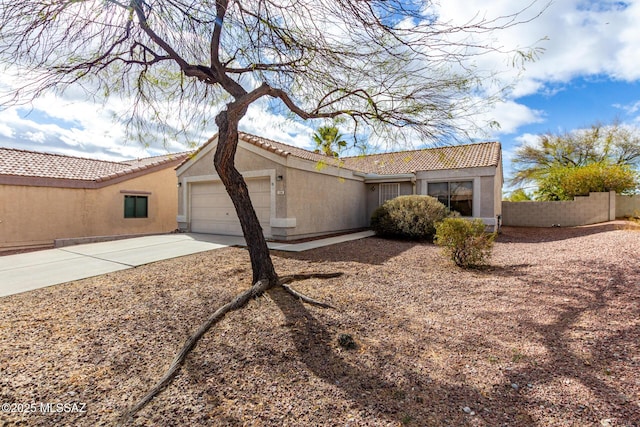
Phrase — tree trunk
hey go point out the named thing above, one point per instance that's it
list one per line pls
(236, 187)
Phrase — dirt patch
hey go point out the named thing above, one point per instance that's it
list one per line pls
(548, 336)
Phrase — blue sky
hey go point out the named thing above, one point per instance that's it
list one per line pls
(588, 72)
(578, 103)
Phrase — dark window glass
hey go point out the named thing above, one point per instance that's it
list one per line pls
(456, 195)
(461, 197)
(440, 190)
(135, 206)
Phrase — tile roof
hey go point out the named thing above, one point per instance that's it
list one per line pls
(448, 157)
(284, 149)
(25, 163)
(276, 147)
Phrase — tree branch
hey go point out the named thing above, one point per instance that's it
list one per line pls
(238, 302)
(230, 85)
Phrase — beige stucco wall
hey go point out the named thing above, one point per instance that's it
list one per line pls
(323, 203)
(487, 207)
(592, 209)
(498, 182)
(300, 190)
(627, 205)
(32, 216)
(311, 200)
(245, 161)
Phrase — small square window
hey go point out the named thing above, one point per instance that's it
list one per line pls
(136, 206)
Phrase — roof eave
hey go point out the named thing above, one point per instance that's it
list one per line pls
(371, 178)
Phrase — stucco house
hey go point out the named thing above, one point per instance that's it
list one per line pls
(44, 197)
(299, 193)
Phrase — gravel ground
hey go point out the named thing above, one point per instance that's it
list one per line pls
(548, 335)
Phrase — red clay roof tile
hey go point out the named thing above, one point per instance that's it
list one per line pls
(25, 163)
(448, 157)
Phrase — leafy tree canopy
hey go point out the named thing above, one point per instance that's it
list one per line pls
(601, 158)
(614, 144)
(566, 182)
(518, 195)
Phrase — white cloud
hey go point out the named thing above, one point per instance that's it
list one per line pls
(630, 109)
(6, 131)
(85, 137)
(602, 38)
(35, 136)
(528, 138)
(511, 115)
(580, 38)
(260, 121)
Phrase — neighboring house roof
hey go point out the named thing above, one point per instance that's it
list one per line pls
(448, 157)
(36, 168)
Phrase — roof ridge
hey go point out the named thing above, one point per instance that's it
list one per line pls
(30, 163)
(479, 153)
(180, 153)
(250, 135)
(113, 162)
(61, 155)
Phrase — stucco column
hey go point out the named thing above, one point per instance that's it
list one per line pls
(612, 205)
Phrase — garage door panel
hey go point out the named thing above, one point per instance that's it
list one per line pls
(216, 214)
(212, 210)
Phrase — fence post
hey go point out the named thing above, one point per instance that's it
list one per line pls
(612, 205)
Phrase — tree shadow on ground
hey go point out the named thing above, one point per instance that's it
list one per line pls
(504, 404)
(512, 270)
(589, 294)
(378, 252)
(414, 399)
(551, 234)
(313, 341)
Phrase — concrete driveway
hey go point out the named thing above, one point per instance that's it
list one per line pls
(33, 270)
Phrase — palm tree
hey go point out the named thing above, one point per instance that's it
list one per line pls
(327, 138)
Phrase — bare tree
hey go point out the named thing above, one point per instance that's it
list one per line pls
(385, 65)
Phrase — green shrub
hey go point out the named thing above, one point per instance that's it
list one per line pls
(465, 241)
(409, 217)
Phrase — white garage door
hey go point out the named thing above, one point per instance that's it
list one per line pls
(213, 212)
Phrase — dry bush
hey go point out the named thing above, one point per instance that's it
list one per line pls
(408, 217)
(466, 242)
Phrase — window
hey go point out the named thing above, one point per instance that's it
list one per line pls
(388, 192)
(135, 206)
(456, 195)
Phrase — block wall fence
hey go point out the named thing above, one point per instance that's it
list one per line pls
(583, 210)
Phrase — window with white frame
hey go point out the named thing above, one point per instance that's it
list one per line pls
(456, 195)
(389, 191)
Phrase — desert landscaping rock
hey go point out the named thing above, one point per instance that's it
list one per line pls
(432, 339)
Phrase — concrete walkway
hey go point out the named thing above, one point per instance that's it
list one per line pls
(33, 270)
